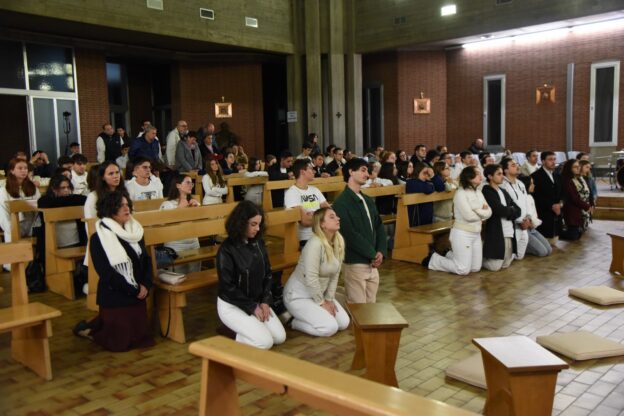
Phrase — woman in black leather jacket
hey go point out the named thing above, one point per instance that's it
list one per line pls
(245, 280)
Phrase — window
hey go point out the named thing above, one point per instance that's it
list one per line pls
(50, 68)
(12, 65)
(494, 111)
(603, 103)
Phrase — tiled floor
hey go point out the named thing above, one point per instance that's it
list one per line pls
(445, 312)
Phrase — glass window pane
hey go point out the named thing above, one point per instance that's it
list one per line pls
(115, 84)
(50, 68)
(43, 109)
(11, 65)
(67, 128)
(603, 119)
(494, 112)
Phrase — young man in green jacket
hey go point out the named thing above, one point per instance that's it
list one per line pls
(364, 234)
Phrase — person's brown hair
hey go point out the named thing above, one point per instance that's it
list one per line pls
(13, 186)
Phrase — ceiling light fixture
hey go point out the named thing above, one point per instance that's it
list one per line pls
(448, 10)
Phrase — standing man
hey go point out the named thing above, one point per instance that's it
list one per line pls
(530, 164)
(364, 234)
(173, 138)
(108, 144)
(146, 146)
(499, 243)
(476, 148)
(305, 196)
(547, 196)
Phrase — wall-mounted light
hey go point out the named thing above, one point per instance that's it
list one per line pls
(448, 10)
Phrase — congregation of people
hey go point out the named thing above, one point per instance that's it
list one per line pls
(501, 212)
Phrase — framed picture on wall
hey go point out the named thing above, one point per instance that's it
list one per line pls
(223, 110)
(422, 105)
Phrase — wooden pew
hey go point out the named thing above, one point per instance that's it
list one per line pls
(412, 243)
(333, 184)
(29, 323)
(243, 181)
(171, 299)
(521, 376)
(15, 208)
(224, 361)
(155, 218)
(61, 262)
(392, 190)
(147, 204)
(617, 254)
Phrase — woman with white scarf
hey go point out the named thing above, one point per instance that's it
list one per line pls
(125, 277)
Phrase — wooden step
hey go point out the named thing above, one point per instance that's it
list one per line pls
(608, 213)
(610, 201)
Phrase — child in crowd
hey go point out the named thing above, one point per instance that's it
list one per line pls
(122, 160)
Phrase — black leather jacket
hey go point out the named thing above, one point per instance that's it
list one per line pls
(244, 274)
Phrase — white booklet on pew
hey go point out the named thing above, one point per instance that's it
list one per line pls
(171, 278)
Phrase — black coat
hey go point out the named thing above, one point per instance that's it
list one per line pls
(113, 290)
(244, 274)
(494, 240)
(275, 174)
(546, 194)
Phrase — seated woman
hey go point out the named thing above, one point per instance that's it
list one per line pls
(577, 202)
(254, 192)
(245, 278)
(310, 292)
(68, 233)
(421, 183)
(124, 268)
(228, 163)
(18, 187)
(386, 205)
(180, 197)
(215, 187)
(405, 171)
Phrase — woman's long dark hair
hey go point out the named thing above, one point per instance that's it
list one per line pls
(55, 183)
(101, 188)
(566, 171)
(174, 192)
(236, 224)
(387, 172)
(466, 175)
(13, 187)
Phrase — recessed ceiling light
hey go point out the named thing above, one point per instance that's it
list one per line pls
(448, 10)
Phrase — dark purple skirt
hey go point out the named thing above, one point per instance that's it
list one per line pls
(122, 329)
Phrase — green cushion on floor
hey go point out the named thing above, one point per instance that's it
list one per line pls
(602, 295)
(469, 370)
(581, 345)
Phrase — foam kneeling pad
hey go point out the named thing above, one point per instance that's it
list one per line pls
(601, 295)
(581, 345)
(469, 370)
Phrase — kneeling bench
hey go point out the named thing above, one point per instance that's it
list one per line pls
(224, 361)
(521, 376)
(377, 329)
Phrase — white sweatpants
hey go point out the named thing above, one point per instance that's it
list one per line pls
(466, 254)
(249, 330)
(310, 317)
(522, 241)
(495, 265)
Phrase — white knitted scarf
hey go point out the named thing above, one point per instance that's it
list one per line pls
(109, 232)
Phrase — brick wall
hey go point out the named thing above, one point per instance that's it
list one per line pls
(92, 98)
(404, 76)
(197, 86)
(527, 66)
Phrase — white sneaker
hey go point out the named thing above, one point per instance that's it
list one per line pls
(85, 288)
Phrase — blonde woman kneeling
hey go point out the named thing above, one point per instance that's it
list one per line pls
(309, 293)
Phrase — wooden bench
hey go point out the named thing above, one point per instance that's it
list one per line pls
(617, 254)
(392, 190)
(224, 361)
(60, 263)
(147, 205)
(233, 181)
(29, 323)
(15, 209)
(412, 243)
(333, 184)
(157, 218)
(521, 376)
(377, 329)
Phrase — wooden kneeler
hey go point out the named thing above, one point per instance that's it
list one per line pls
(29, 323)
